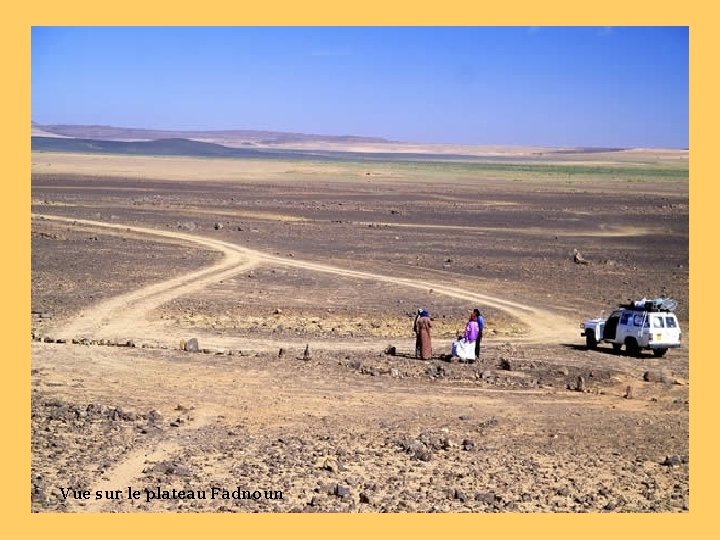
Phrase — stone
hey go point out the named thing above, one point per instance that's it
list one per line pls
(578, 258)
(674, 460)
(154, 417)
(342, 491)
(468, 445)
(506, 364)
(580, 384)
(390, 350)
(281, 352)
(307, 354)
(628, 393)
(192, 345)
(487, 498)
(365, 498)
(658, 375)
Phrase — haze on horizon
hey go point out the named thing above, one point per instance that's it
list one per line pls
(539, 86)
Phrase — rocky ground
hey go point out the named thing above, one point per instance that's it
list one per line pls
(521, 430)
(355, 426)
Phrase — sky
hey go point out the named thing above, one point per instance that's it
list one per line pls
(540, 86)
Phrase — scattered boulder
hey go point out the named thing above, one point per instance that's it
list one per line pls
(658, 375)
(578, 258)
(307, 354)
(342, 491)
(192, 345)
(187, 225)
(390, 350)
(675, 460)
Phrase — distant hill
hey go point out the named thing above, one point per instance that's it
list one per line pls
(250, 137)
(185, 147)
(160, 147)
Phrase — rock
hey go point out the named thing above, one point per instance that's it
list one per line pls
(342, 491)
(485, 375)
(307, 354)
(506, 364)
(628, 393)
(154, 417)
(281, 352)
(390, 350)
(675, 460)
(580, 384)
(487, 498)
(192, 345)
(578, 258)
(658, 375)
(467, 444)
(218, 226)
(365, 498)
(187, 225)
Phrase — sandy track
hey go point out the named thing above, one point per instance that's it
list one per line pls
(126, 315)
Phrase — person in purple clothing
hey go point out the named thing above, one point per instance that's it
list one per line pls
(464, 346)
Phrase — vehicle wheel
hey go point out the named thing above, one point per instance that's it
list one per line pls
(659, 352)
(590, 340)
(617, 347)
(631, 347)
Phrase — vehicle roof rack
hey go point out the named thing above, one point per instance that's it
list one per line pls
(656, 304)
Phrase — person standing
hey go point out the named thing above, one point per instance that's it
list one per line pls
(481, 326)
(422, 329)
(417, 336)
(464, 346)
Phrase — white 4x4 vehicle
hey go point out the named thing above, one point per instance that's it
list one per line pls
(642, 324)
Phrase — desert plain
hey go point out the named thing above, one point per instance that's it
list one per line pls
(219, 327)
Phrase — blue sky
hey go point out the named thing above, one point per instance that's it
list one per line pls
(555, 86)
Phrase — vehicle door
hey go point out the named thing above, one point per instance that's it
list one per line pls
(664, 328)
(624, 326)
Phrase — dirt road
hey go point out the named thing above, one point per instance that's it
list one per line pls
(127, 315)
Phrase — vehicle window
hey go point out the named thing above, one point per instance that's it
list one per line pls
(638, 320)
(671, 322)
(624, 318)
(658, 322)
